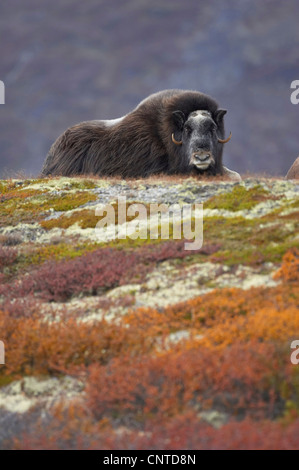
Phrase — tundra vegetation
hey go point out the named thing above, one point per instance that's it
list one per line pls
(141, 344)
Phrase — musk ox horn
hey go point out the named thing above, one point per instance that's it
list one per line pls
(223, 141)
(176, 142)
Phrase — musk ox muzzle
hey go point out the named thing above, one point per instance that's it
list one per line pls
(202, 159)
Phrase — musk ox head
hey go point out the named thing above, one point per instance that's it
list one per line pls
(199, 137)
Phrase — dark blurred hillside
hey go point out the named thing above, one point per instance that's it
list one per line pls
(68, 61)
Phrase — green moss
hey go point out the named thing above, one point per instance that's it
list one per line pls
(294, 203)
(274, 252)
(238, 199)
(228, 226)
(4, 185)
(16, 187)
(16, 194)
(70, 183)
(85, 218)
(29, 206)
(28, 182)
(6, 380)
(269, 234)
(84, 184)
(67, 202)
(249, 241)
(16, 207)
(286, 206)
(57, 251)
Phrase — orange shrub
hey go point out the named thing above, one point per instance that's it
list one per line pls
(239, 380)
(34, 346)
(289, 270)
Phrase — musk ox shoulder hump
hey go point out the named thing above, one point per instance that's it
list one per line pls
(112, 122)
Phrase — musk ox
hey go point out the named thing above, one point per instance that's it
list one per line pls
(172, 132)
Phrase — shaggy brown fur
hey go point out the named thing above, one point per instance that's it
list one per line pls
(139, 144)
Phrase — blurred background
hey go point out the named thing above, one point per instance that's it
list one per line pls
(67, 61)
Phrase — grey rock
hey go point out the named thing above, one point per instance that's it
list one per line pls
(293, 173)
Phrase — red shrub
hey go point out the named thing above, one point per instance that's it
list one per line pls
(21, 308)
(7, 256)
(93, 272)
(172, 249)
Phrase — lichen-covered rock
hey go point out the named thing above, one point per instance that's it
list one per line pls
(293, 173)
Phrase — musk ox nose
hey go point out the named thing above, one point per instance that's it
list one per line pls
(201, 156)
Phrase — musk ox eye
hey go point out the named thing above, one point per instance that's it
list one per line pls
(188, 130)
